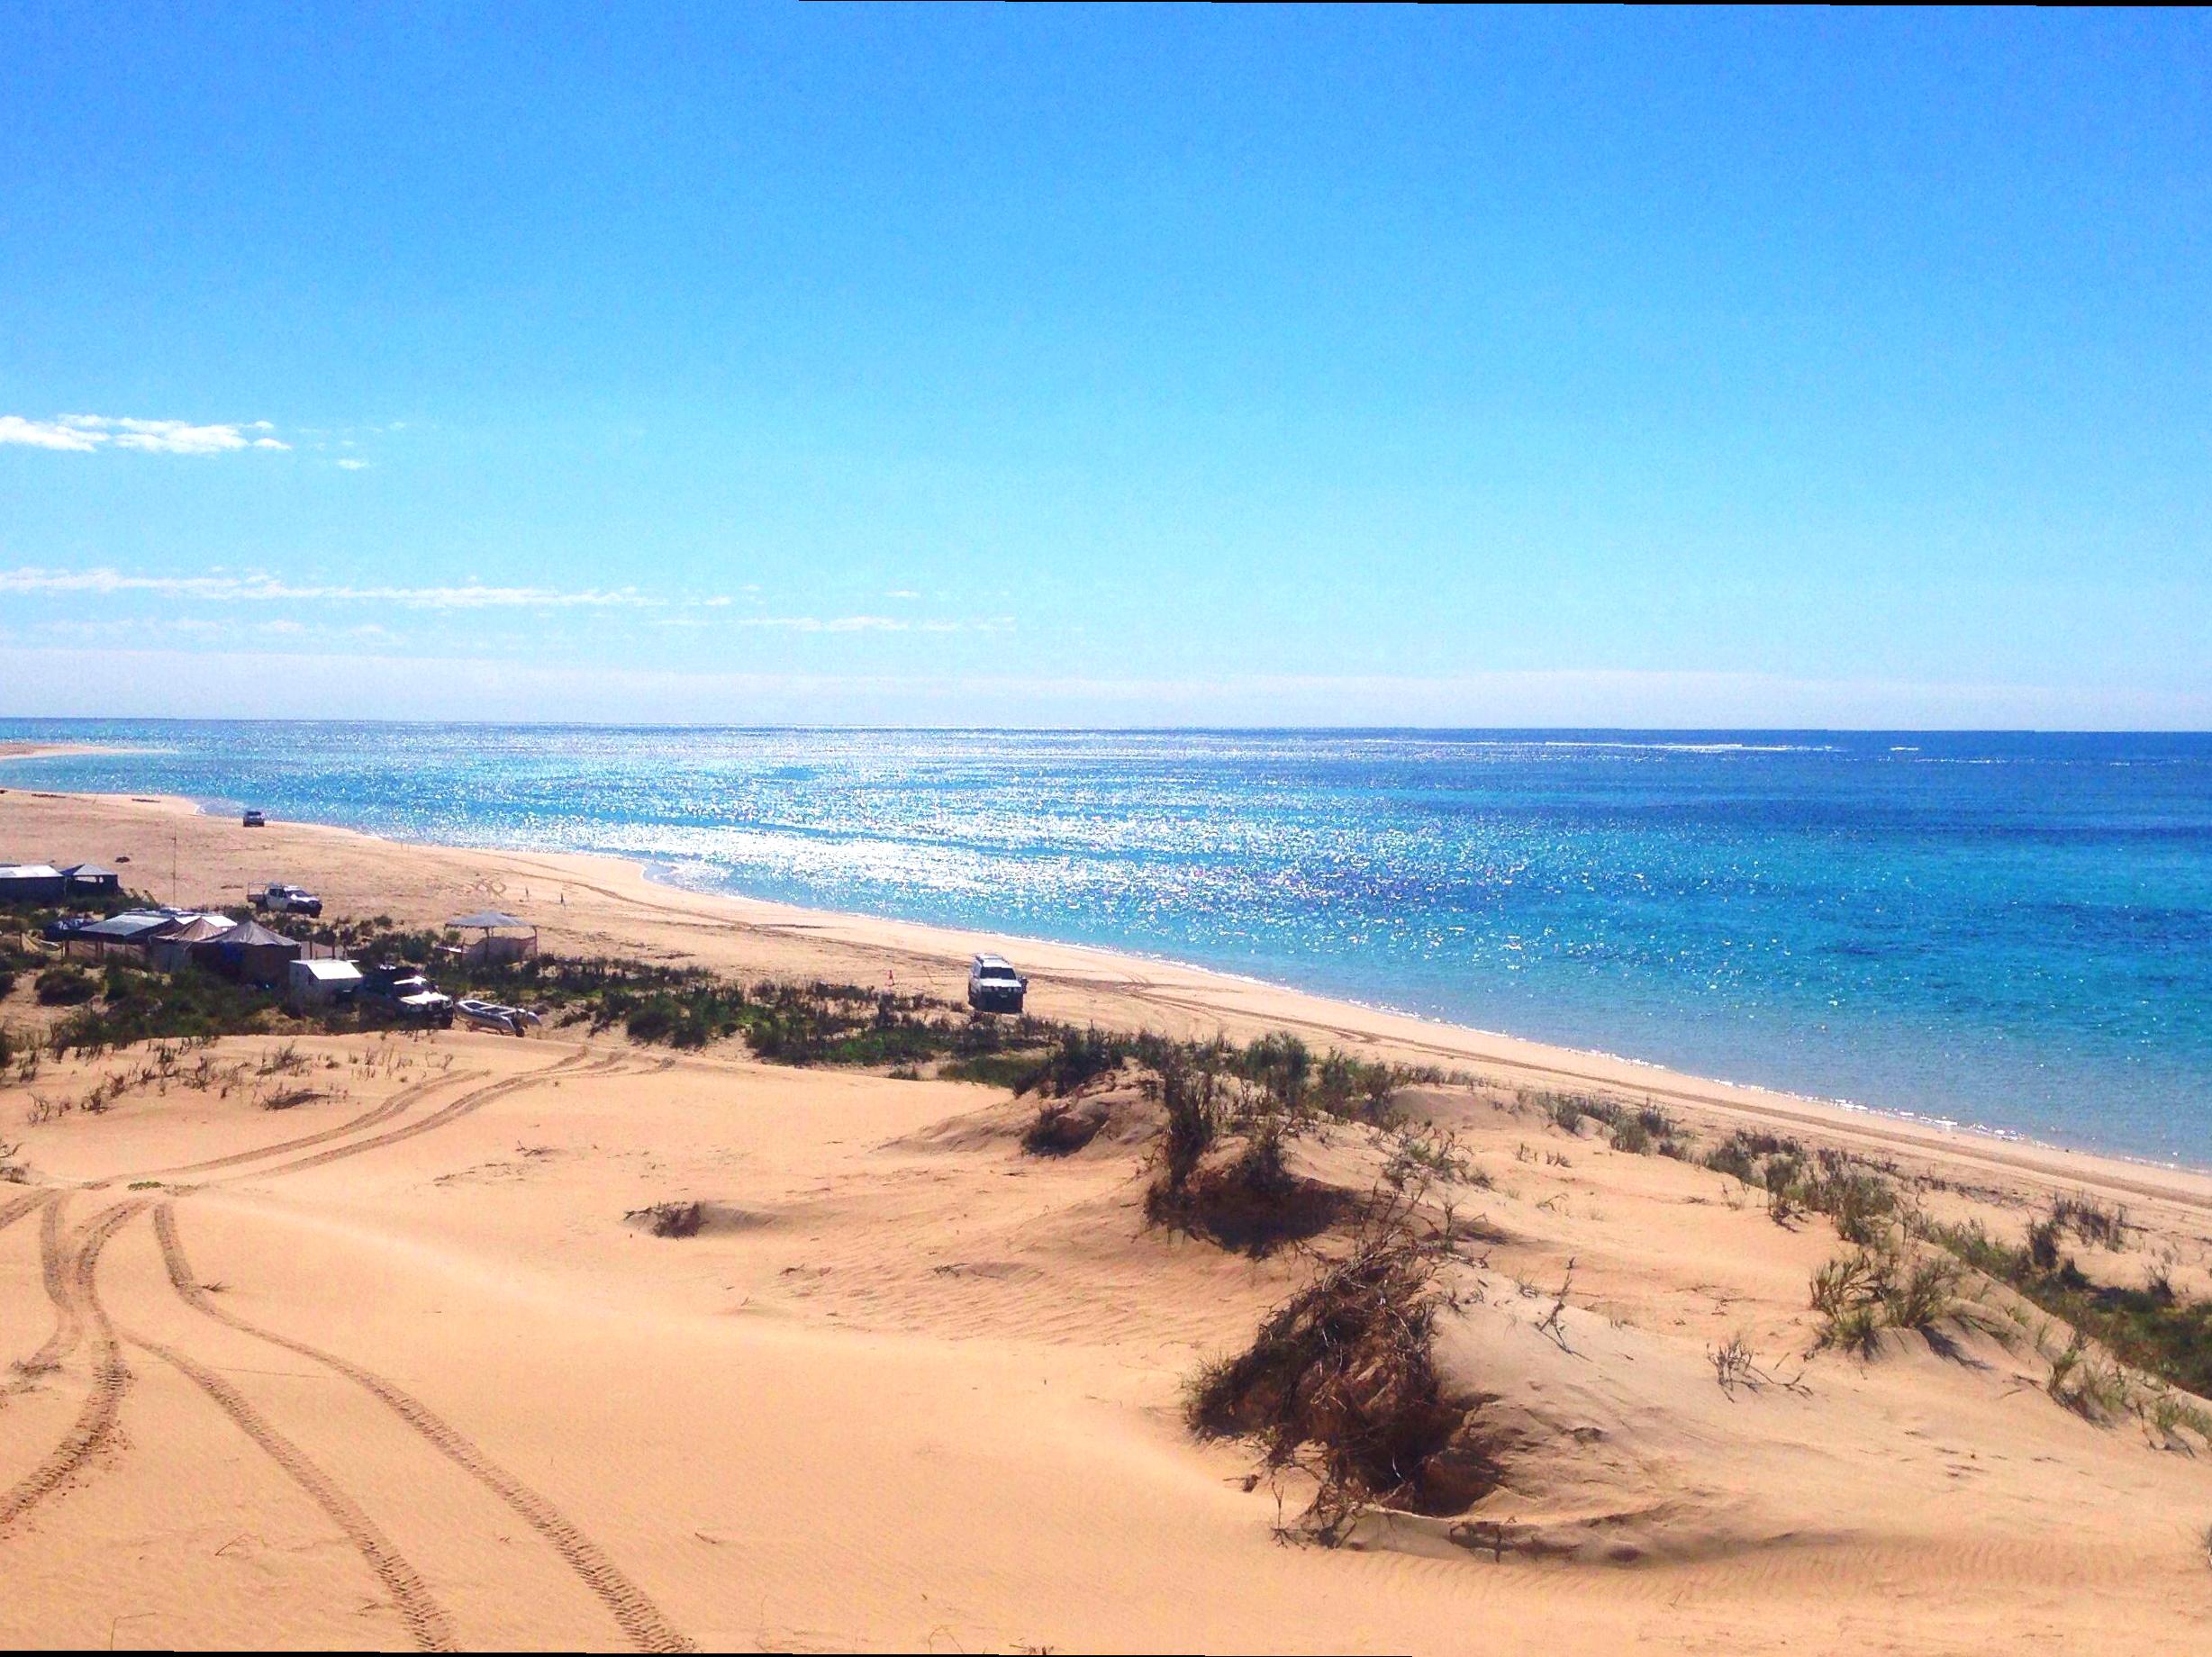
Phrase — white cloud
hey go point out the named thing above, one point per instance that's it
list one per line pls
(353, 465)
(44, 434)
(902, 592)
(226, 586)
(870, 624)
(221, 588)
(84, 433)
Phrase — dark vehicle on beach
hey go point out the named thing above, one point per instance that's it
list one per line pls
(403, 993)
(254, 820)
(994, 985)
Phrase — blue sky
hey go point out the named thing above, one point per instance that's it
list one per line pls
(1107, 367)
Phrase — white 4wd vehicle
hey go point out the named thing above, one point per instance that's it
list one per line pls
(994, 985)
(284, 900)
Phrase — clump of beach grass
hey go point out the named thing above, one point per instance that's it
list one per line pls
(1860, 1294)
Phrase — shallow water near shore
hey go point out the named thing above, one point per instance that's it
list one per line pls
(2009, 930)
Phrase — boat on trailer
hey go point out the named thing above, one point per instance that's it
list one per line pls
(494, 1016)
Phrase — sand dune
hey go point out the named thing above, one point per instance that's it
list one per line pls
(398, 1367)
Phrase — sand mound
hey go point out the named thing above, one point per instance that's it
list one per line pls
(1116, 1112)
(693, 1218)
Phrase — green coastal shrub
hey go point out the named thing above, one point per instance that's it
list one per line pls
(65, 986)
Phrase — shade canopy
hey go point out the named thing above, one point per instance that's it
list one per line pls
(490, 920)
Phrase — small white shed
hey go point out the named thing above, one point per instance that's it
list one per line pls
(320, 983)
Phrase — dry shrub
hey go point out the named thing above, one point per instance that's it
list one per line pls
(1061, 1130)
(1340, 1381)
(670, 1219)
(1250, 1202)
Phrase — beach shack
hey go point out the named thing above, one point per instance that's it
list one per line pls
(171, 952)
(250, 952)
(320, 983)
(81, 880)
(30, 882)
(500, 938)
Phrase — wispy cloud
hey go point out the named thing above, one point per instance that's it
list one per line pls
(86, 433)
(283, 679)
(354, 466)
(229, 631)
(872, 624)
(226, 588)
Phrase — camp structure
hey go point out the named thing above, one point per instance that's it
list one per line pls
(500, 937)
(30, 882)
(320, 983)
(248, 951)
(171, 951)
(136, 928)
(88, 879)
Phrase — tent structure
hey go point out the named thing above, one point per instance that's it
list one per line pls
(497, 937)
(172, 951)
(249, 951)
(82, 877)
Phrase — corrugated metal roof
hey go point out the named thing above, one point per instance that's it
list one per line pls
(127, 927)
(491, 918)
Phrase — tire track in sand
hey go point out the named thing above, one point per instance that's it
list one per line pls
(392, 1107)
(424, 1617)
(96, 1422)
(9, 1212)
(454, 1111)
(53, 1269)
(636, 1613)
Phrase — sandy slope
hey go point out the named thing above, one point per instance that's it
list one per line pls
(390, 1367)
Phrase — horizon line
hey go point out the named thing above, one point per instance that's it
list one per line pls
(1111, 730)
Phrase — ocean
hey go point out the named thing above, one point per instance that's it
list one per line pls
(2011, 931)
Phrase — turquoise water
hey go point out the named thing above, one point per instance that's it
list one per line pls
(2009, 930)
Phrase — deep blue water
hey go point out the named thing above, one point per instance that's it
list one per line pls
(2012, 930)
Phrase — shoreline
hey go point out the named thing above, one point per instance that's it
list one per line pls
(659, 874)
(624, 905)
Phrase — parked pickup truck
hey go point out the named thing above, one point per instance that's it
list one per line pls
(405, 993)
(282, 900)
(994, 985)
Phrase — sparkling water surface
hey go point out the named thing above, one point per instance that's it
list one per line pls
(2009, 930)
